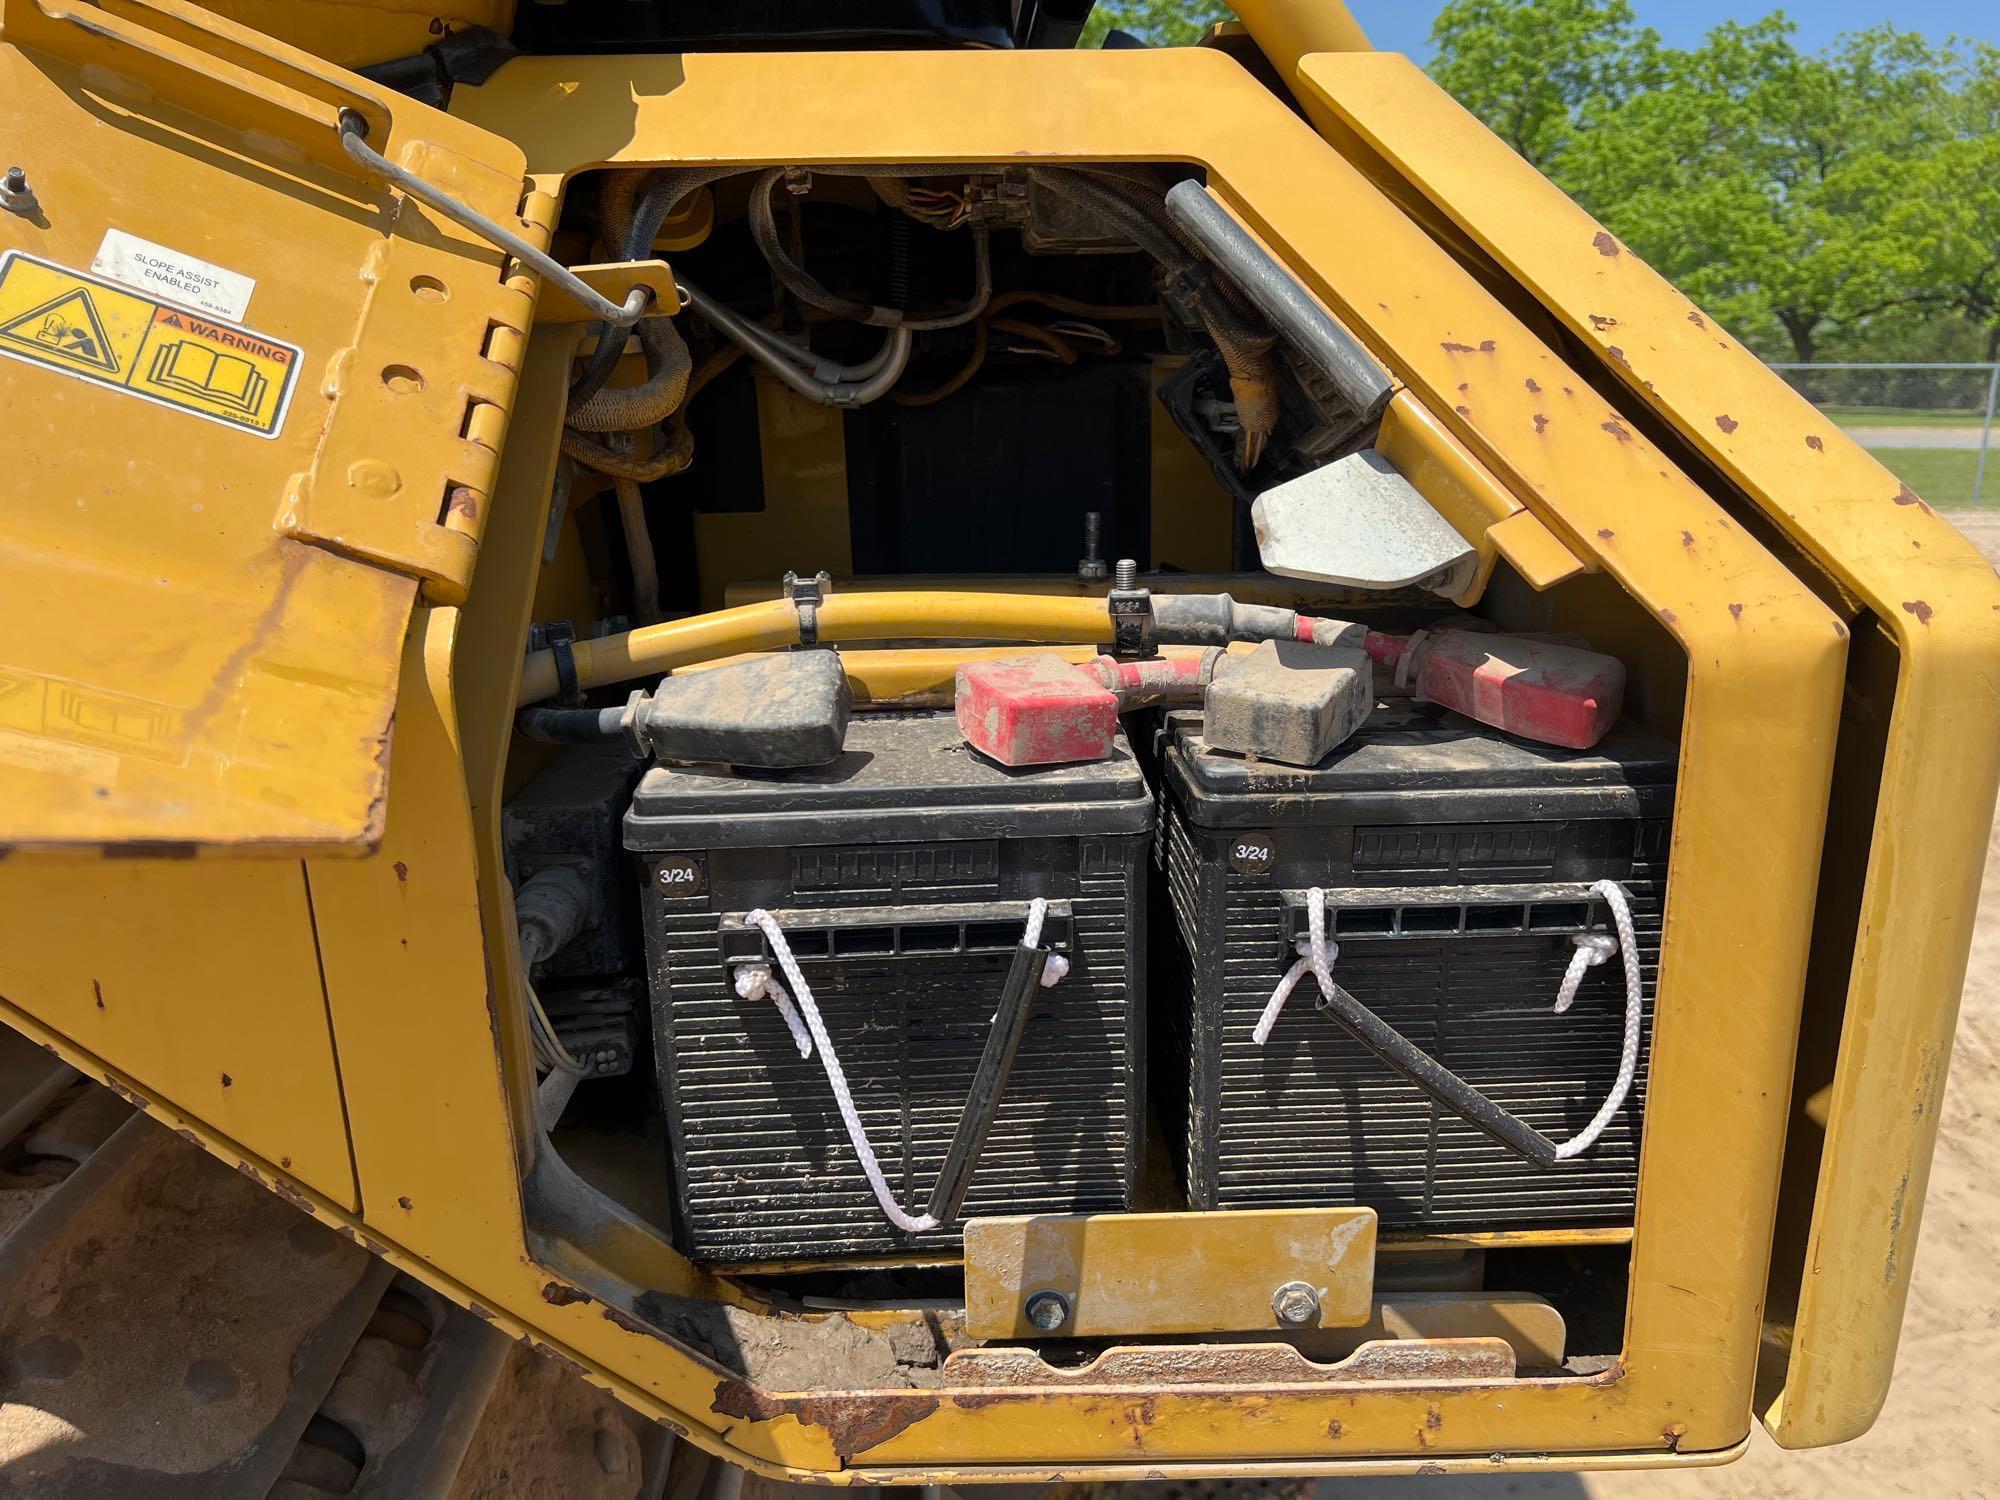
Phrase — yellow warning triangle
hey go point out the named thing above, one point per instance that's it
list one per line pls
(67, 325)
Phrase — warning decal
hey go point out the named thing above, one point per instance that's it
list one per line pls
(66, 321)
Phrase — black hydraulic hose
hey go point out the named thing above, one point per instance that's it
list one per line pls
(662, 193)
(570, 726)
(801, 283)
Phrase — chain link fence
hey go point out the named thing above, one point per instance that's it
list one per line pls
(1932, 425)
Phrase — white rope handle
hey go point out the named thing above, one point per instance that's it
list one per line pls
(1635, 1010)
(1316, 955)
(755, 980)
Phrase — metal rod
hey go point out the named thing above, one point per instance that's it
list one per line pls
(989, 1082)
(1307, 326)
(352, 130)
(781, 356)
(1986, 435)
(1437, 1081)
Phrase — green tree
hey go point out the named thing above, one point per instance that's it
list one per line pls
(1802, 198)
(1530, 70)
(1961, 179)
(1778, 188)
(1164, 23)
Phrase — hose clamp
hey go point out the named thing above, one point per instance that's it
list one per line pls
(806, 596)
(558, 638)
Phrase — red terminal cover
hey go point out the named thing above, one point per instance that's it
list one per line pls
(1541, 690)
(1035, 711)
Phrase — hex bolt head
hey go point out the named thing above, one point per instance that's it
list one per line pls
(1296, 1304)
(15, 194)
(1048, 1311)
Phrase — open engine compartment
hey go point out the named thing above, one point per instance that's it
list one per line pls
(952, 491)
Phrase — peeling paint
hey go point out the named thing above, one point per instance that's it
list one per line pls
(1533, 385)
(1541, 423)
(1605, 533)
(1600, 323)
(1736, 611)
(852, 1423)
(1606, 245)
(1814, 442)
(556, 1294)
(1727, 423)
(1918, 608)
(1617, 430)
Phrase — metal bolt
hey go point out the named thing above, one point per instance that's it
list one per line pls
(1091, 568)
(1125, 574)
(1048, 1311)
(1296, 1303)
(15, 194)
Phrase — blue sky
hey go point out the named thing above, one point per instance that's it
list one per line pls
(1398, 26)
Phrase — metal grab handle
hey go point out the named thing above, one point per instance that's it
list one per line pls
(989, 1082)
(1435, 1080)
(354, 129)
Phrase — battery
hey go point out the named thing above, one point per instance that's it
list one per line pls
(901, 875)
(1457, 863)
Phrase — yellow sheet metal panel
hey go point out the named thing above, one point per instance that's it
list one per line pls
(1930, 590)
(1760, 701)
(1118, 1275)
(197, 982)
(181, 669)
(1463, 490)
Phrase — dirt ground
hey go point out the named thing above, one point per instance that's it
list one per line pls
(1939, 1435)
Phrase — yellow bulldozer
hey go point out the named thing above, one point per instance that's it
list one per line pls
(843, 742)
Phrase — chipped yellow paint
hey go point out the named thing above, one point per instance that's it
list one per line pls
(1934, 596)
(1478, 506)
(421, 977)
(202, 643)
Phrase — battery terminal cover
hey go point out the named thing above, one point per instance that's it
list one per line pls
(770, 712)
(1289, 701)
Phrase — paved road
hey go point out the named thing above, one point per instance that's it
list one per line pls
(1919, 437)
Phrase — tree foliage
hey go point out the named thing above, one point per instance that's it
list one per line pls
(1162, 23)
(1813, 201)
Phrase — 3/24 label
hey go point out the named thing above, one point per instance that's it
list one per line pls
(79, 325)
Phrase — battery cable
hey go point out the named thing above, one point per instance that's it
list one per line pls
(803, 1020)
(1317, 955)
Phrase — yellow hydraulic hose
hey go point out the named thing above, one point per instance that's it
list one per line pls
(841, 618)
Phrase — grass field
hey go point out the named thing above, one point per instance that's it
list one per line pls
(1942, 476)
(1903, 416)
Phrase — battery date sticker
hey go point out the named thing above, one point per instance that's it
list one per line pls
(1251, 855)
(681, 875)
(78, 325)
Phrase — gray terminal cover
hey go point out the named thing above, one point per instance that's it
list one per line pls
(784, 710)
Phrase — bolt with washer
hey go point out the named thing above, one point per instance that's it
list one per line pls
(1048, 1311)
(1296, 1304)
(15, 194)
